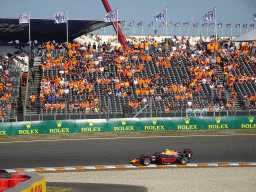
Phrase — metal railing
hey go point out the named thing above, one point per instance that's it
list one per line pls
(154, 113)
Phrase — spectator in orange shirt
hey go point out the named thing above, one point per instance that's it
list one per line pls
(62, 105)
(211, 108)
(198, 87)
(146, 46)
(155, 45)
(229, 106)
(48, 47)
(57, 106)
(47, 105)
(32, 100)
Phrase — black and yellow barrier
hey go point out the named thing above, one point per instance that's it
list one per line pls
(129, 124)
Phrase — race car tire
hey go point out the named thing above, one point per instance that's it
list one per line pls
(184, 161)
(147, 162)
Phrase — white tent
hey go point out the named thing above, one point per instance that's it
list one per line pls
(249, 36)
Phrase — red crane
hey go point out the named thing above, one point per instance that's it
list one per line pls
(120, 35)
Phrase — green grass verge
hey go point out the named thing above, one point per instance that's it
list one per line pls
(61, 136)
(58, 189)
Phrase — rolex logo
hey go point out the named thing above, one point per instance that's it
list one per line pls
(154, 122)
(59, 123)
(218, 120)
(123, 122)
(251, 119)
(91, 124)
(187, 120)
(28, 125)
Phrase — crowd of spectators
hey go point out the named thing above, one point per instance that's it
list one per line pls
(7, 99)
(87, 72)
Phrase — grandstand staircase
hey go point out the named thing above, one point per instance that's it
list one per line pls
(237, 102)
(34, 88)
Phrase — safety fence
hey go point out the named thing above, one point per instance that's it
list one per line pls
(143, 114)
(128, 124)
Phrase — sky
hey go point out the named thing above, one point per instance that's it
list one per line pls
(227, 11)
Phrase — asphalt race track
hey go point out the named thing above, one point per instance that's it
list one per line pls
(120, 151)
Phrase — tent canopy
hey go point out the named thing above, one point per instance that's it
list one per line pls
(44, 30)
(249, 36)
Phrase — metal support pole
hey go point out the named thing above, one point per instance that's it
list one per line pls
(101, 36)
(117, 25)
(151, 106)
(166, 23)
(67, 25)
(29, 36)
(216, 24)
(231, 32)
(108, 107)
(153, 28)
(26, 95)
(141, 110)
(192, 25)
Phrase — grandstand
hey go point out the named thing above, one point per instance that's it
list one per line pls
(13, 63)
(93, 77)
(84, 83)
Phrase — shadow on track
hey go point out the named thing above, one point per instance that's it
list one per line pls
(96, 187)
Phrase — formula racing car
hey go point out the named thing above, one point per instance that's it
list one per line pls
(167, 157)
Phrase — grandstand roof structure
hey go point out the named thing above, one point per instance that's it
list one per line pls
(44, 30)
(249, 36)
